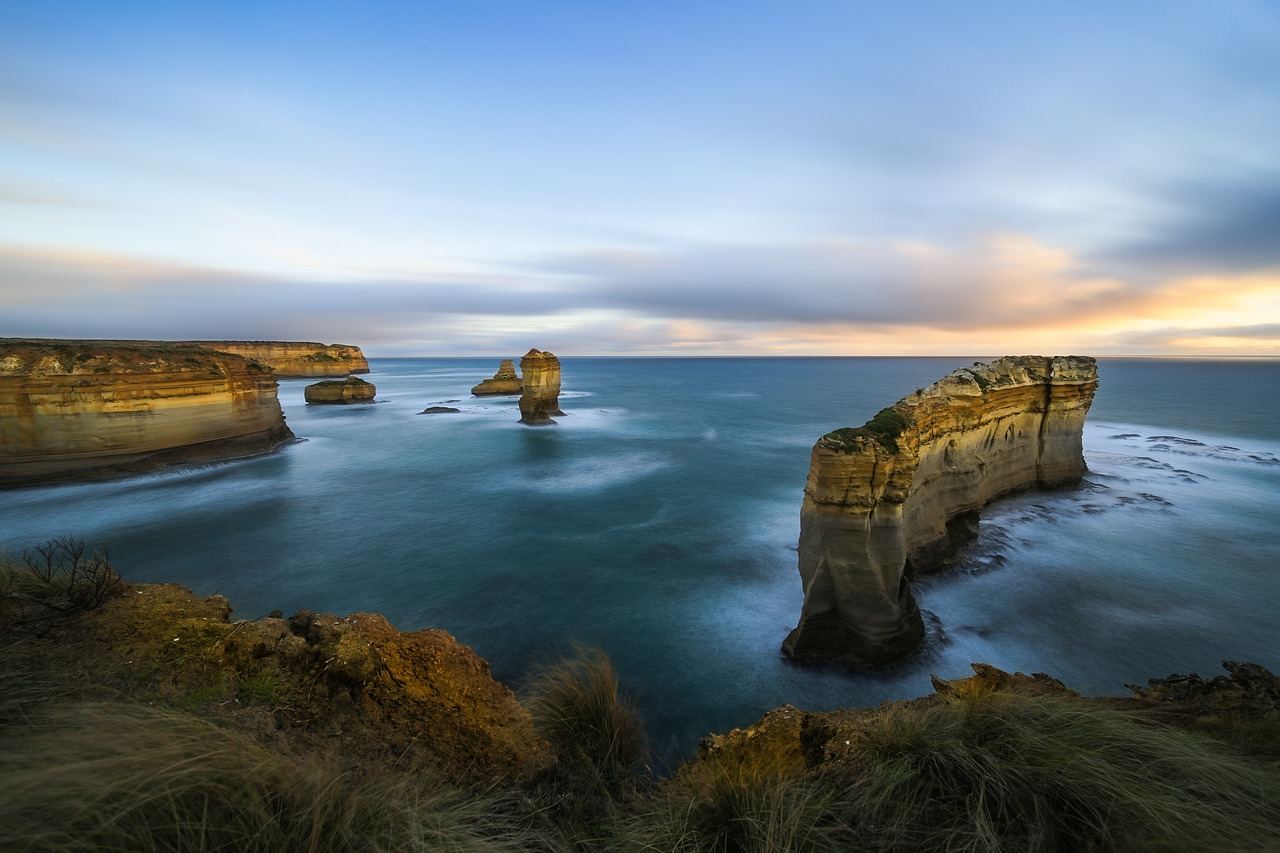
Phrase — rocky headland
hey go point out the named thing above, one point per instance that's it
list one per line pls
(353, 389)
(109, 686)
(885, 501)
(297, 359)
(505, 381)
(540, 398)
(75, 410)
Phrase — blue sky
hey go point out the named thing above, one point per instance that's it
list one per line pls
(451, 178)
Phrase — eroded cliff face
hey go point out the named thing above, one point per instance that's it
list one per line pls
(77, 410)
(505, 381)
(879, 498)
(297, 359)
(540, 399)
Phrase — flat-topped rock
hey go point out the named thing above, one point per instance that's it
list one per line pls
(298, 359)
(880, 498)
(353, 389)
(505, 381)
(76, 410)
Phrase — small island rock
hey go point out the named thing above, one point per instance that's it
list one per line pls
(505, 381)
(438, 410)
(353, 389)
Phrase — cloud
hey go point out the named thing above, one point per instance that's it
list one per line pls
(1006, 293)
(1208, 226)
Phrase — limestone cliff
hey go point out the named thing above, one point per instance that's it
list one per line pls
(90, 410)
(297, 359)
(351, 390)
(879, 498)
(505, 381)
(540, 399)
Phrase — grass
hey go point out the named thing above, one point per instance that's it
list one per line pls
(1011, 772)
(971, 771)
(885, 429)
(117, 778)
(595, 731)
(728, 811)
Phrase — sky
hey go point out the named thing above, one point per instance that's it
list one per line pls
(700, 177)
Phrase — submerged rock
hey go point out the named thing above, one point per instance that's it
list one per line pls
(505, 381)
(353, 389)
(887, 500)
(541, 396)
(438, 410)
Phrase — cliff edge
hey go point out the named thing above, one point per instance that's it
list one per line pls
(72, 410)
(297, 359)
(879, 498)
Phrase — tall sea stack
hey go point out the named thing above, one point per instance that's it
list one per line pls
(879, 497)
(540, 398)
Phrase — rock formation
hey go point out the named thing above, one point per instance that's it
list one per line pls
(297, 359)
(92, 410)
(353, 389)
(354, 685)
(880, 498)
(540, 399)
(505, 381)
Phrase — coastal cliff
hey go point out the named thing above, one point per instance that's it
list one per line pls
(505, 381)
(540, 399)
(297, 359)
(93, 410)
(880, 499)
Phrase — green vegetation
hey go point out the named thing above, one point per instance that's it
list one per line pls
(885, 429)
(88, 766)
(595, 731)
(88, 777)
(984, 384)
(1006, 771)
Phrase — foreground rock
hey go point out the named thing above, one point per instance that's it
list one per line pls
(505, 381)
(540, 399)
(791, 741)
(72, 410)
(297, 359)
(351, 390)
(351, 685)
(884, 501)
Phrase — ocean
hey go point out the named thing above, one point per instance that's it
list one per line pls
(659, 521)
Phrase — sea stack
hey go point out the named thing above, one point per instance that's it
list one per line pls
(540, 399)
(505, 381)
(880, 497)
(353, 389)
(92, 410)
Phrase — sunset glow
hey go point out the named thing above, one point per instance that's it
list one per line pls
(656, 179)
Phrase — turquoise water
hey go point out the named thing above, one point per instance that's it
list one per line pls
(659, 520)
